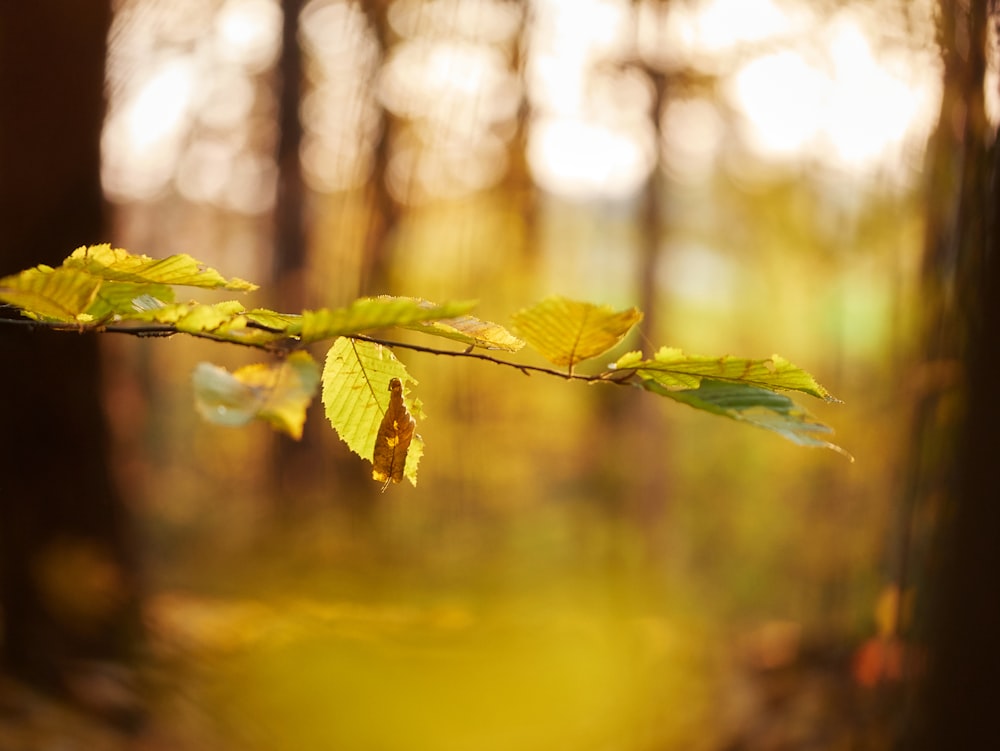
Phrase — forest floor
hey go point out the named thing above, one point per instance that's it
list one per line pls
(775, 694)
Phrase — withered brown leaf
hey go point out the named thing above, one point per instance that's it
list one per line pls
(393, 439)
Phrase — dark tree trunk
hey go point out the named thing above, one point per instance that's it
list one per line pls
(66, 581)
(291, 461)
(957, 705)
(289, 220)
(383, 211)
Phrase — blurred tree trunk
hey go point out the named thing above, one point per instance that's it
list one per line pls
(302, 473)
(289, 261)
(957, 702)
(384, 213)
(293, 462)
(68, 592)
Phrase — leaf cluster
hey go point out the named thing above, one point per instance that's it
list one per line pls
(100, 288)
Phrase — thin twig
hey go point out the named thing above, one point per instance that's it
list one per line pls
(145, 330)
(281, 346)
(617, 377)
(526, 369)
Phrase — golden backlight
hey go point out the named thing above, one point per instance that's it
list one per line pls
(190, 109)
(575, 570)
(843, 104)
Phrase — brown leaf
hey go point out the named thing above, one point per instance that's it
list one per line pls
(393, 439)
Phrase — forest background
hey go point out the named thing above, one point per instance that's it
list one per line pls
(576, 568)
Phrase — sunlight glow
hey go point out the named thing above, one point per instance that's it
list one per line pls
(341, 120)
(225, 100)
(831, 90)
(248, 33)
(587, 28)
(422, 169)
(706, 34)
(142, 137)
(869, 108)
(454, 85)
(722, 24)
(162, 105)
(692, 133)
(458, 101)
(447, 81)
(839, 104)
(187, 76)
(186, 109)
(782, 96)
(592, 137)
(583, 159)
(488, 21)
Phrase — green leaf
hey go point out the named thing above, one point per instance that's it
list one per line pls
(674, 370)
(192, 317)
(122, 300)
(356, 394)
(756, 406)
(274, 321)
(567, 332)
(49, 294)
(277, 393)
(118, 265)
(372, 313)
(224, 321)
(212, 317)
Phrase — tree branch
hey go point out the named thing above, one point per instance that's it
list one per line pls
(283, 346)
(526, 369)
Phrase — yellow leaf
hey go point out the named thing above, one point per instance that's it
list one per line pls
(567, 332)
(51, 294)
(97, 284)
(370, 313)
(472, 331)
(356, 395)
(118, 265)
(277, 393)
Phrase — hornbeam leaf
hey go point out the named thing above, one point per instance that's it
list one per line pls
(49, 294)
(392, 442)
(278, 393)
(472, 331)
(356, 395)
(372, 313)
(756, 406)
(222, 398)
(274, 321)
(469, 330)
(224, 321)
(674, 370)
(193, 317)
(122, 300)
(567, 332)
(118, 265)
(99, 283)
(211, 318)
